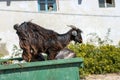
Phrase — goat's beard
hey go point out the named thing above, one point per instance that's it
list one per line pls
(75, 42)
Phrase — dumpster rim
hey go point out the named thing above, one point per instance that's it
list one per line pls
(43, 63)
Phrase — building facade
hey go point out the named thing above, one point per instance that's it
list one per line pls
(91, 16)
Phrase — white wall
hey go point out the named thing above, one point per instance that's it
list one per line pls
(87, 16)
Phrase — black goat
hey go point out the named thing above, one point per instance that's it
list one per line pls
(64, 39)
(35, 40)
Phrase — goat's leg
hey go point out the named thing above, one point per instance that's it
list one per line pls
(27, 57)
(51, 55)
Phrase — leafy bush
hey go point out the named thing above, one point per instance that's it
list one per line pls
(94, 38)
(17, 52)
(98, 59)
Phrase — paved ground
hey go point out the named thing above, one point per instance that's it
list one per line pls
(115, 76)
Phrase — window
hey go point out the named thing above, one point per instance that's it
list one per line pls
(106, 3)
(47, 5)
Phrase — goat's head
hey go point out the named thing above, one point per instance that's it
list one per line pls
(76, 34)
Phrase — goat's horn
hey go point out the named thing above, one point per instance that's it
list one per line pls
(30, 20)
(72, 26)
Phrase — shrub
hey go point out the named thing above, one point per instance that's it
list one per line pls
(98, 59)
(16, 52)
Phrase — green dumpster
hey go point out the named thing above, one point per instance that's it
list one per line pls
(63, 69)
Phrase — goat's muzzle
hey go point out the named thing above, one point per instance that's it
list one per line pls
(80, 41)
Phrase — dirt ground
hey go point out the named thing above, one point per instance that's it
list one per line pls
(114, 76)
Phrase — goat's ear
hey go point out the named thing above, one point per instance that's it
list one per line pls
(74, 33)
(72, 26)
(16, 26)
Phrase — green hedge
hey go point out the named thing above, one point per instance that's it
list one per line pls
(98, 59)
